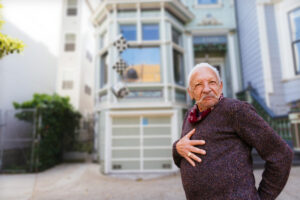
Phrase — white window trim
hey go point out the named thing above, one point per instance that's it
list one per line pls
(284, 38)
(217, 5)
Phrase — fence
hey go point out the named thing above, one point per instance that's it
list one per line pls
(17, 140)
(280, 123)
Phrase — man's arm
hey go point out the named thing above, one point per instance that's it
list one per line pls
(271, 147)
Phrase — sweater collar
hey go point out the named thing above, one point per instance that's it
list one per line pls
(195, 115)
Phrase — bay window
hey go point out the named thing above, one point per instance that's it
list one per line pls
(143, 64)
(294, 17)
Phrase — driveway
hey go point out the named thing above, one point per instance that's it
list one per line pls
(84, 181)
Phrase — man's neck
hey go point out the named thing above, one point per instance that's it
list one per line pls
(202, 108)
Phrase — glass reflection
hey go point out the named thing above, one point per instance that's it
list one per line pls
(128, 31)
(144, 64)
(150, 32)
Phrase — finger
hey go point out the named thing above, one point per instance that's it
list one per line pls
(194, 157)
(197, 150)
(197, 142)
(190, 161)
(189, 135)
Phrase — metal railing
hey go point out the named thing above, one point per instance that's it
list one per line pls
(280, 123)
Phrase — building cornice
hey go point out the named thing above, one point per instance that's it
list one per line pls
(180, 10)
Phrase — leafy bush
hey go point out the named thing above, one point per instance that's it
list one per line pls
(56, 122)
(9, 45)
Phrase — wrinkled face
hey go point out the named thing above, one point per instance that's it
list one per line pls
(205, 88)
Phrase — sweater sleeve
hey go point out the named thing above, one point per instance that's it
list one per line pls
(176, 156)
(270, 146)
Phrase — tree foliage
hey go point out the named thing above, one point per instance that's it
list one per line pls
(8, 45)
(57, 126)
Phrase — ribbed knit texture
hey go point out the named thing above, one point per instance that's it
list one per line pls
(230, 130)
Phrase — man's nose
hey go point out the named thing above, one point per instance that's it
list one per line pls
(206, 88)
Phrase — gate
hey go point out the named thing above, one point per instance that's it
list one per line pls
(17, 133)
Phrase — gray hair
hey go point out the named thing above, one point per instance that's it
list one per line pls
(202, 65)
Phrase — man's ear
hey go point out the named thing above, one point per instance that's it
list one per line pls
(190, 93)
(221, 87)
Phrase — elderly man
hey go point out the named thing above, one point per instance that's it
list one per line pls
(214, 152)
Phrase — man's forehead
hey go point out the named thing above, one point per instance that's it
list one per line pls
(202, 74)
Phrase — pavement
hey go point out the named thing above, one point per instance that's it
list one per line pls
(85, 182)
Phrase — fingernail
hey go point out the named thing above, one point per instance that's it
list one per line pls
(204, 152)
(199, 160)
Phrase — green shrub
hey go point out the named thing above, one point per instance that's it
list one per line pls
(57, 124)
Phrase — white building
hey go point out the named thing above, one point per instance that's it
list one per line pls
(58, 56)
(166, 38)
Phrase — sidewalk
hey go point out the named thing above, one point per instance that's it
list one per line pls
(84, 181)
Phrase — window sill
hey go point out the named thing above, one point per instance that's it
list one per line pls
(217, 5)
(296, 77)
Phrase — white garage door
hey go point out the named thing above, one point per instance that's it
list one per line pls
(141, 143)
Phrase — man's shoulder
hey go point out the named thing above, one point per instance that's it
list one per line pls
(228, 102)
(235, 104)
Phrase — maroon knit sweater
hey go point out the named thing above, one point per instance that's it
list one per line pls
(230, 131)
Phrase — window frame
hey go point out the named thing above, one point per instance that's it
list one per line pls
(67, 43)
(103, 80)
(294, 42)
(158, 31)
(70, 8)
(181, 72)
(129, 24)
(160, 64)
(214, 5)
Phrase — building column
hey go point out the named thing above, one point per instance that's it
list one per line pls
(233, 62)
(164, 51)
(188, 58)
(265, 54)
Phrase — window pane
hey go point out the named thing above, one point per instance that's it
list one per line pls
(297, 56)
(126, 120)
(128, 31)
(295, 24)
(70, 38)
(157, 153)
(178, 68)
(166, 120)
(72, 2)
(103, 70)
(152, 131)
(126, 165)
(150, 32)
(72, 11)
(176, 36)
(207, 1)
(130, 153)
(132, 142)
(103, 40)
(67, 85)
(157, 164)
(144, 64)
(157, 141)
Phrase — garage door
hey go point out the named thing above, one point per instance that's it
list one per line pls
(141, 143)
